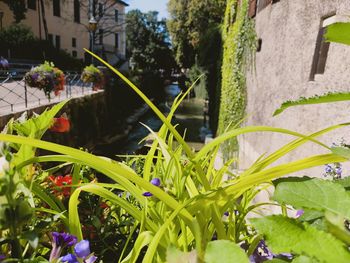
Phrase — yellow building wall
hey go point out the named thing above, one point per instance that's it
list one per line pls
(65, 27)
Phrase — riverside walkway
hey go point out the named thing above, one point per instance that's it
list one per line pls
(15, 96)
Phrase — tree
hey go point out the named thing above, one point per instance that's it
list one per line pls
(147, 40)
(188, 24)
(18, 8)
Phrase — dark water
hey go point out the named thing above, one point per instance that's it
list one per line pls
(152, 121)
(131, 143)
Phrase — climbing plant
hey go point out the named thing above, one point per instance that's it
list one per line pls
(239, 43)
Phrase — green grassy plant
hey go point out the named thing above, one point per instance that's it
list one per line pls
(186, 212)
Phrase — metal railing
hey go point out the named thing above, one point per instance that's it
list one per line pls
(16, 96)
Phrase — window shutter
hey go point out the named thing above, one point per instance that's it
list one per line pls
(263, 3)
(252, 8)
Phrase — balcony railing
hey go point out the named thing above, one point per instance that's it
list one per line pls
(16, 96)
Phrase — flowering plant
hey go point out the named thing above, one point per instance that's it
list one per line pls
(46, 77)
(91, 74)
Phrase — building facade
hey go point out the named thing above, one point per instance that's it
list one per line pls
(67, 24)
(293, 60)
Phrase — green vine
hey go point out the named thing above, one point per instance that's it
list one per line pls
(239, 45)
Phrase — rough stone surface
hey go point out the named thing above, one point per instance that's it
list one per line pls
(288, 30)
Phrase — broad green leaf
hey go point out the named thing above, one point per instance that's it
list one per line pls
(341, 151)
(287, 235)
(224, 251)
(317, 99)
(174, 255)
(335, 225)
(339, 33)
(345, 182)
(318, 194)
(304, 259)
(38, 125)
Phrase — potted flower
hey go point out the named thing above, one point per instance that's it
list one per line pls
(46, 77)
(93, 75)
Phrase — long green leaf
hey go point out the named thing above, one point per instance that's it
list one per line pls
(234, 133)
(326, 98)
(115, 170)
(74, 222)
(161, 116)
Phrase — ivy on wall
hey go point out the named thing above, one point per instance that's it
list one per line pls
(239, 44)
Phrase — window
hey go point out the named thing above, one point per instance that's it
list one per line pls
(258, 48)
(56, 8)
(50, 38)
(116, 40)
(100, 34)
(116, 15)
(321, 52)
(74, 53)
(58, 42)
(77, 11)
(74, 42)
(100, 9)
(32, 4)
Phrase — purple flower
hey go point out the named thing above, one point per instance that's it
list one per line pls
(60, 241)
(288, 256)
(64, 239)
(338, 171)
(35, 76)
(226, 213)
(299, 213)
(91, 259)
(82, 249)
(155, 181)
(2, 257)
(261, 253)
(328, 169)
(69, 258)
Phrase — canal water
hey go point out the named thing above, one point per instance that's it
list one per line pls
(139, 131)
(131, 143)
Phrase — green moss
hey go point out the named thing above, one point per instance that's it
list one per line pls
(239, 43)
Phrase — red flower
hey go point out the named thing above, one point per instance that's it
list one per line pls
(104, 205)
(59, 182)
(60, 124)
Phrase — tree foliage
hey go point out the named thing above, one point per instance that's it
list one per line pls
(148, 41)
(189, 21)
(18, 8)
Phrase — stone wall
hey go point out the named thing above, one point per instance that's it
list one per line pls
(288, 30)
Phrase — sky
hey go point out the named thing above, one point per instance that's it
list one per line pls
(149, 5)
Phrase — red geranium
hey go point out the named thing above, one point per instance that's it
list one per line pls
(59, 183)
(60, 124)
